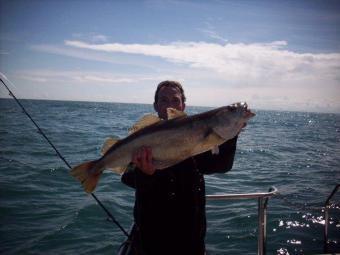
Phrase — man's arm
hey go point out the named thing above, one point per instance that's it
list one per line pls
(208, 163)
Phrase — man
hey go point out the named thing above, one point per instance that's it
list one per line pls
(169, 209)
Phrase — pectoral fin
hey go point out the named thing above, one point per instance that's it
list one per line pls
(226, 134)
(212, 137)
(210, 141)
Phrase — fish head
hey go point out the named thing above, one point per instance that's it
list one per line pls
(240, 110)
(229, 120)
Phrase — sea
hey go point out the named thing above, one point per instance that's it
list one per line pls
(43, 210)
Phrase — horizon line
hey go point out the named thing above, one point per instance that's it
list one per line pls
(111, 102)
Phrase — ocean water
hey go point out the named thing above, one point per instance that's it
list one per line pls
(43, 210)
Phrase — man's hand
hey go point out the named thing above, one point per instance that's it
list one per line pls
(142, 158)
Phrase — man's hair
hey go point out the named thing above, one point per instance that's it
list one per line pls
(171, 84)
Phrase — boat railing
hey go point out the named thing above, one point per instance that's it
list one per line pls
(326, 217)
(262, 198)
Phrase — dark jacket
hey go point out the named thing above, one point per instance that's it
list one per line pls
(170, 204)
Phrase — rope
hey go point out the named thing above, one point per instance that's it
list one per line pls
(111, 217)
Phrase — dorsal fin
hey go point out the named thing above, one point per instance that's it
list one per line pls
(173, 113)
(145, 121)
(109, 142)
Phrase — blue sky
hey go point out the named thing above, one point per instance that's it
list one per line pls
(281, 55)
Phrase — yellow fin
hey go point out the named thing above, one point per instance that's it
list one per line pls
(109, 142)
(145, 121)
(87, 174)
(173, 113)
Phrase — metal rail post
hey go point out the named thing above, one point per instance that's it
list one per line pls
(261, 239)
(326, 216)
(262, 212)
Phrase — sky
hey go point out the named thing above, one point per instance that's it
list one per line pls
(275, 55)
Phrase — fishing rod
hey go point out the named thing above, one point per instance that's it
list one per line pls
(110, 216)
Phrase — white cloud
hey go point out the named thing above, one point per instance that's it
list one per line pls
(4, 52)
(210, 31)
(71, 52)
(99, 38)
(91, 37)
(260, 63)
(69, 77)
(267, 75)
(213, 34)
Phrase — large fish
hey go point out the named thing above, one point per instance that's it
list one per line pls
(171, 141)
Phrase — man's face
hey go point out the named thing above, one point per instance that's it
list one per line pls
(168, 97)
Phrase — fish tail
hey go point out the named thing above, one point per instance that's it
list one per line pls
(87, 175)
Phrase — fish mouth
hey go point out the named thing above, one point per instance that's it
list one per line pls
(247, 112)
